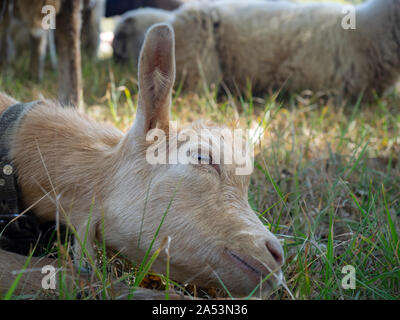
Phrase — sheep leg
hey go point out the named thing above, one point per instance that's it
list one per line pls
(68, 44)
(92, 15)
(52, 49)
(4, 33)
(38, 54)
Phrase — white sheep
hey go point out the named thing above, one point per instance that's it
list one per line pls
(277, 45)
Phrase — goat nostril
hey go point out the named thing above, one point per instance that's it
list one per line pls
(275, 249)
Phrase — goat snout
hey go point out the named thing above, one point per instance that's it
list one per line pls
(276, 250)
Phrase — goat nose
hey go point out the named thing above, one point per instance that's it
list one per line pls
(276, 250)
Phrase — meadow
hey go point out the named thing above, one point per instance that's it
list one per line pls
(326, 178)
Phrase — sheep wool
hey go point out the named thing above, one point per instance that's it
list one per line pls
(277, 45)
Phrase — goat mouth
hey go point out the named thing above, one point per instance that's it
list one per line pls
(254, 269)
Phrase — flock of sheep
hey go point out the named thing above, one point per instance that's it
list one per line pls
(276, 45)
(272, 45)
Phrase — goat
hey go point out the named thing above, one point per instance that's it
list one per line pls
(70, 164)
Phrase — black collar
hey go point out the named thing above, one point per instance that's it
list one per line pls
(10, 120)
(10, 205)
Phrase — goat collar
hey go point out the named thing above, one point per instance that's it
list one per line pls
(10, 121)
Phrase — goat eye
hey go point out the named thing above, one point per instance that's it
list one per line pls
(201, 159)
(206, 160)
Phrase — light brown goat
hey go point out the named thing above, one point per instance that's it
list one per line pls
(66, 162)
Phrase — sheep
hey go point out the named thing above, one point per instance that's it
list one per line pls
(95, 176)
(278, 45)
(67, 34)
(144, 18)
(23, 24)
(92, 13)
(123, 48)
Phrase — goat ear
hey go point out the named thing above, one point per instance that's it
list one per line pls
(156, 79)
